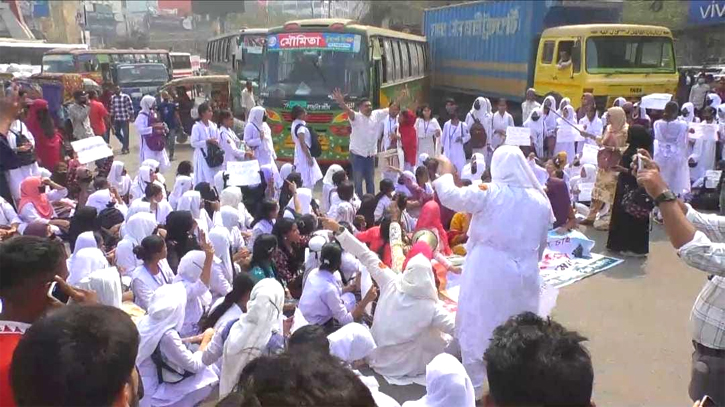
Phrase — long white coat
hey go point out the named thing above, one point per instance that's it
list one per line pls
(453, 138)
(671, 154)
(200, 133)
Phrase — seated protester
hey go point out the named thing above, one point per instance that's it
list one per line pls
(264, 220)
(153, 273)
(416, 195)
(377, 239)
(301, 204)
(210, 201)
(9, 220)
(185, 379)
(106, 283)
(109, 223)
(105, 197)
(97, 369)
(195, 271)
(447, 384)
(256, 333)
(223, 269)
(230, 220)
(289, 256)
(458, 233)
(182, 184)
(383, 199)
(191, 201)
(136, 229)
(261, 265)
(587, 175)
(119, 179)
(535, 362)
(406, 220)
(411, 300)
(344, 208)
(83, 220)
(154, 197)
(180, 238)
(85, 260)
(558, 195)
(231, 306)
(146, 175)
(329, 184)
(232, 197)
(334, 198)
(36, 206)
(321, 302)
(430, 219)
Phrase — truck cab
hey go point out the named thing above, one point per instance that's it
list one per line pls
(137, 80)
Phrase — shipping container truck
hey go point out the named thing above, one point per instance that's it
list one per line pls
(501, 48)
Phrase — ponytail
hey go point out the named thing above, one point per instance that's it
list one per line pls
(242, 285)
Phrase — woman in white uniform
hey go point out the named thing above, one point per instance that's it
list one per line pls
(549, 117)
(204, 133)
(671, 150)
(535, 123)
(17, 175)
(428, 130)
(191, 201)
(305, 163)
(455, 135)
(195, 271)
(135, 230)
(481, 112)
(259, 139)
(446, 384)
(146, 123)
(182, 185)
(229, 140)
(563, 126)
(119, 179)
(507, 236)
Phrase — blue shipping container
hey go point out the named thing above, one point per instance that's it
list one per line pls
(488, 47)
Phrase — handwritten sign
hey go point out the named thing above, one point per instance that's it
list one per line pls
(589, 154)
(243, 173)
(703, 131)
(656, 101)
(518, 136)
(585, 191)
(712, 178)
(91, 149)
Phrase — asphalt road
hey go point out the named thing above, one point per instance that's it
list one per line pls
(635, 316)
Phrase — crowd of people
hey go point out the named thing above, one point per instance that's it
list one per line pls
(263, 295)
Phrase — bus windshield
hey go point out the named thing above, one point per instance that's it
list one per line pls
(314, 64)
(252, 48)
(625, 54)
(58, 63)
(181, 61)
(142, 73)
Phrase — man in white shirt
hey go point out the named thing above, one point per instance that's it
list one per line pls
(363, 139)
(248, 98)
(529, 104)
(389, 135)
(698, 92)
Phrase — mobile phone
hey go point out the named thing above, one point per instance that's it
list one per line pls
(639, 162)
(707, 402)
(55, 292)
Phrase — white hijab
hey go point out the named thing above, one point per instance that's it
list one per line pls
(121, 182)
(509, 167)
(231, 196)
(690, 112)
(85, 239)
(721, 114)
(147, 102)
(256, 117)
(619, 102)
(538, 125)
(182, 184)
(422, 157)
(334, 168)
(100, 199)
(562, 104)
(249, 336)
(190, 201)
(480, 168)
(85, 262)
(150, 162)
(165, 312)
(484, 110)
(139, 226)
(138, 206)
(568, 115)
(713, 100)
(417, 279)
(590, 172)
(304, 195)
(549, 121)
(229, 217)
(219, 181)
(447, 384)
(220, 238)
(286, 170)
(143, 178)
(351, 342)
(107, 285)
(191, 266)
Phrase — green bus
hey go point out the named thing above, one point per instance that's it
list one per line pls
(305, 60)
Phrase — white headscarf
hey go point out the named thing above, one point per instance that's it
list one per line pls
(256, 116)
(286, 170)
(304, 195)
(447, 384)
(85, 262)
(107, 285)
(151, 163)
(165, 312)
(538, 125)
(417, 280)
(509, 167)
(484, 110)
(334, 168)
(121, 182)
(85, 239)
(351, 342)
(480, 168)
(220, 238)
(219, 181)
(713, 100)
(562, 104)
(190, 201)
(99, 199)
(139, 226)
(422, 157)
(249, 336)
(690, 112)
(642, 112)
(403, 188)
(231, 196)
(143, 178)
(147, 102)
(620, 101)
(549, 121)
(138, 206)
(721, 113)
(182, 184)
(590, 172)
(191, 266)
(272, 175)
(229, 217)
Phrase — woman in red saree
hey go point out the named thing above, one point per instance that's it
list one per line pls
(48, 140)
(408, 139)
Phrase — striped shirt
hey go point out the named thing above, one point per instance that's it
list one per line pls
(121, 108)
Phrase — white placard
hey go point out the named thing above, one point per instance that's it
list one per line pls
(589, 154)
(518, 136)
(91, 149)
(712, 178)
(585, 191)
(704, 131)
(243, 173)
(566, 134)
(656, 101)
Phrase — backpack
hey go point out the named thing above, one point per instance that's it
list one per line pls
(214, 155)
(166, 373)
(478, 134)
(156, 141)
(315, 148)
(24, 157)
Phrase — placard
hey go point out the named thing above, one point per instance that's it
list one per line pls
(243, 173)
(656, 101)
(703, 131)
(585, 191)
(712, 178)
(589, 154)
(91, 149)
(518, 136)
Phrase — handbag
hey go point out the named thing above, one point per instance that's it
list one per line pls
(636, 203)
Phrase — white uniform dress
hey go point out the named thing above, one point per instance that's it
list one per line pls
(389, 128)
(483, 115)
(17, 175)
(507, 236)
(144, 129)
(453, 138)
(310, 173)
(537, 131)
(426, 131)
(259, 139)
(200, 133)
(569, 147)
(230, 145)
(703, 153)
(671, 154)
(594, 127)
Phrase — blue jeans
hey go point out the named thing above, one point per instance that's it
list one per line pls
(118, 128)
(363, 168)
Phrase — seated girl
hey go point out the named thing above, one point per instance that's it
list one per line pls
(36, 205)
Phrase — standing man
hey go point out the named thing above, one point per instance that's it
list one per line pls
(79, 112)
(390, 139)
(698, 93)
(121, 115)
(529, 104)
(248, 98)
(100, 119)
(169, 111)
(363, 140)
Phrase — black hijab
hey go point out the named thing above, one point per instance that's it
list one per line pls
(179, 237)
(209, 195)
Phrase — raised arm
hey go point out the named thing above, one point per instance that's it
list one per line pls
(340, 99)
(469, 199)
